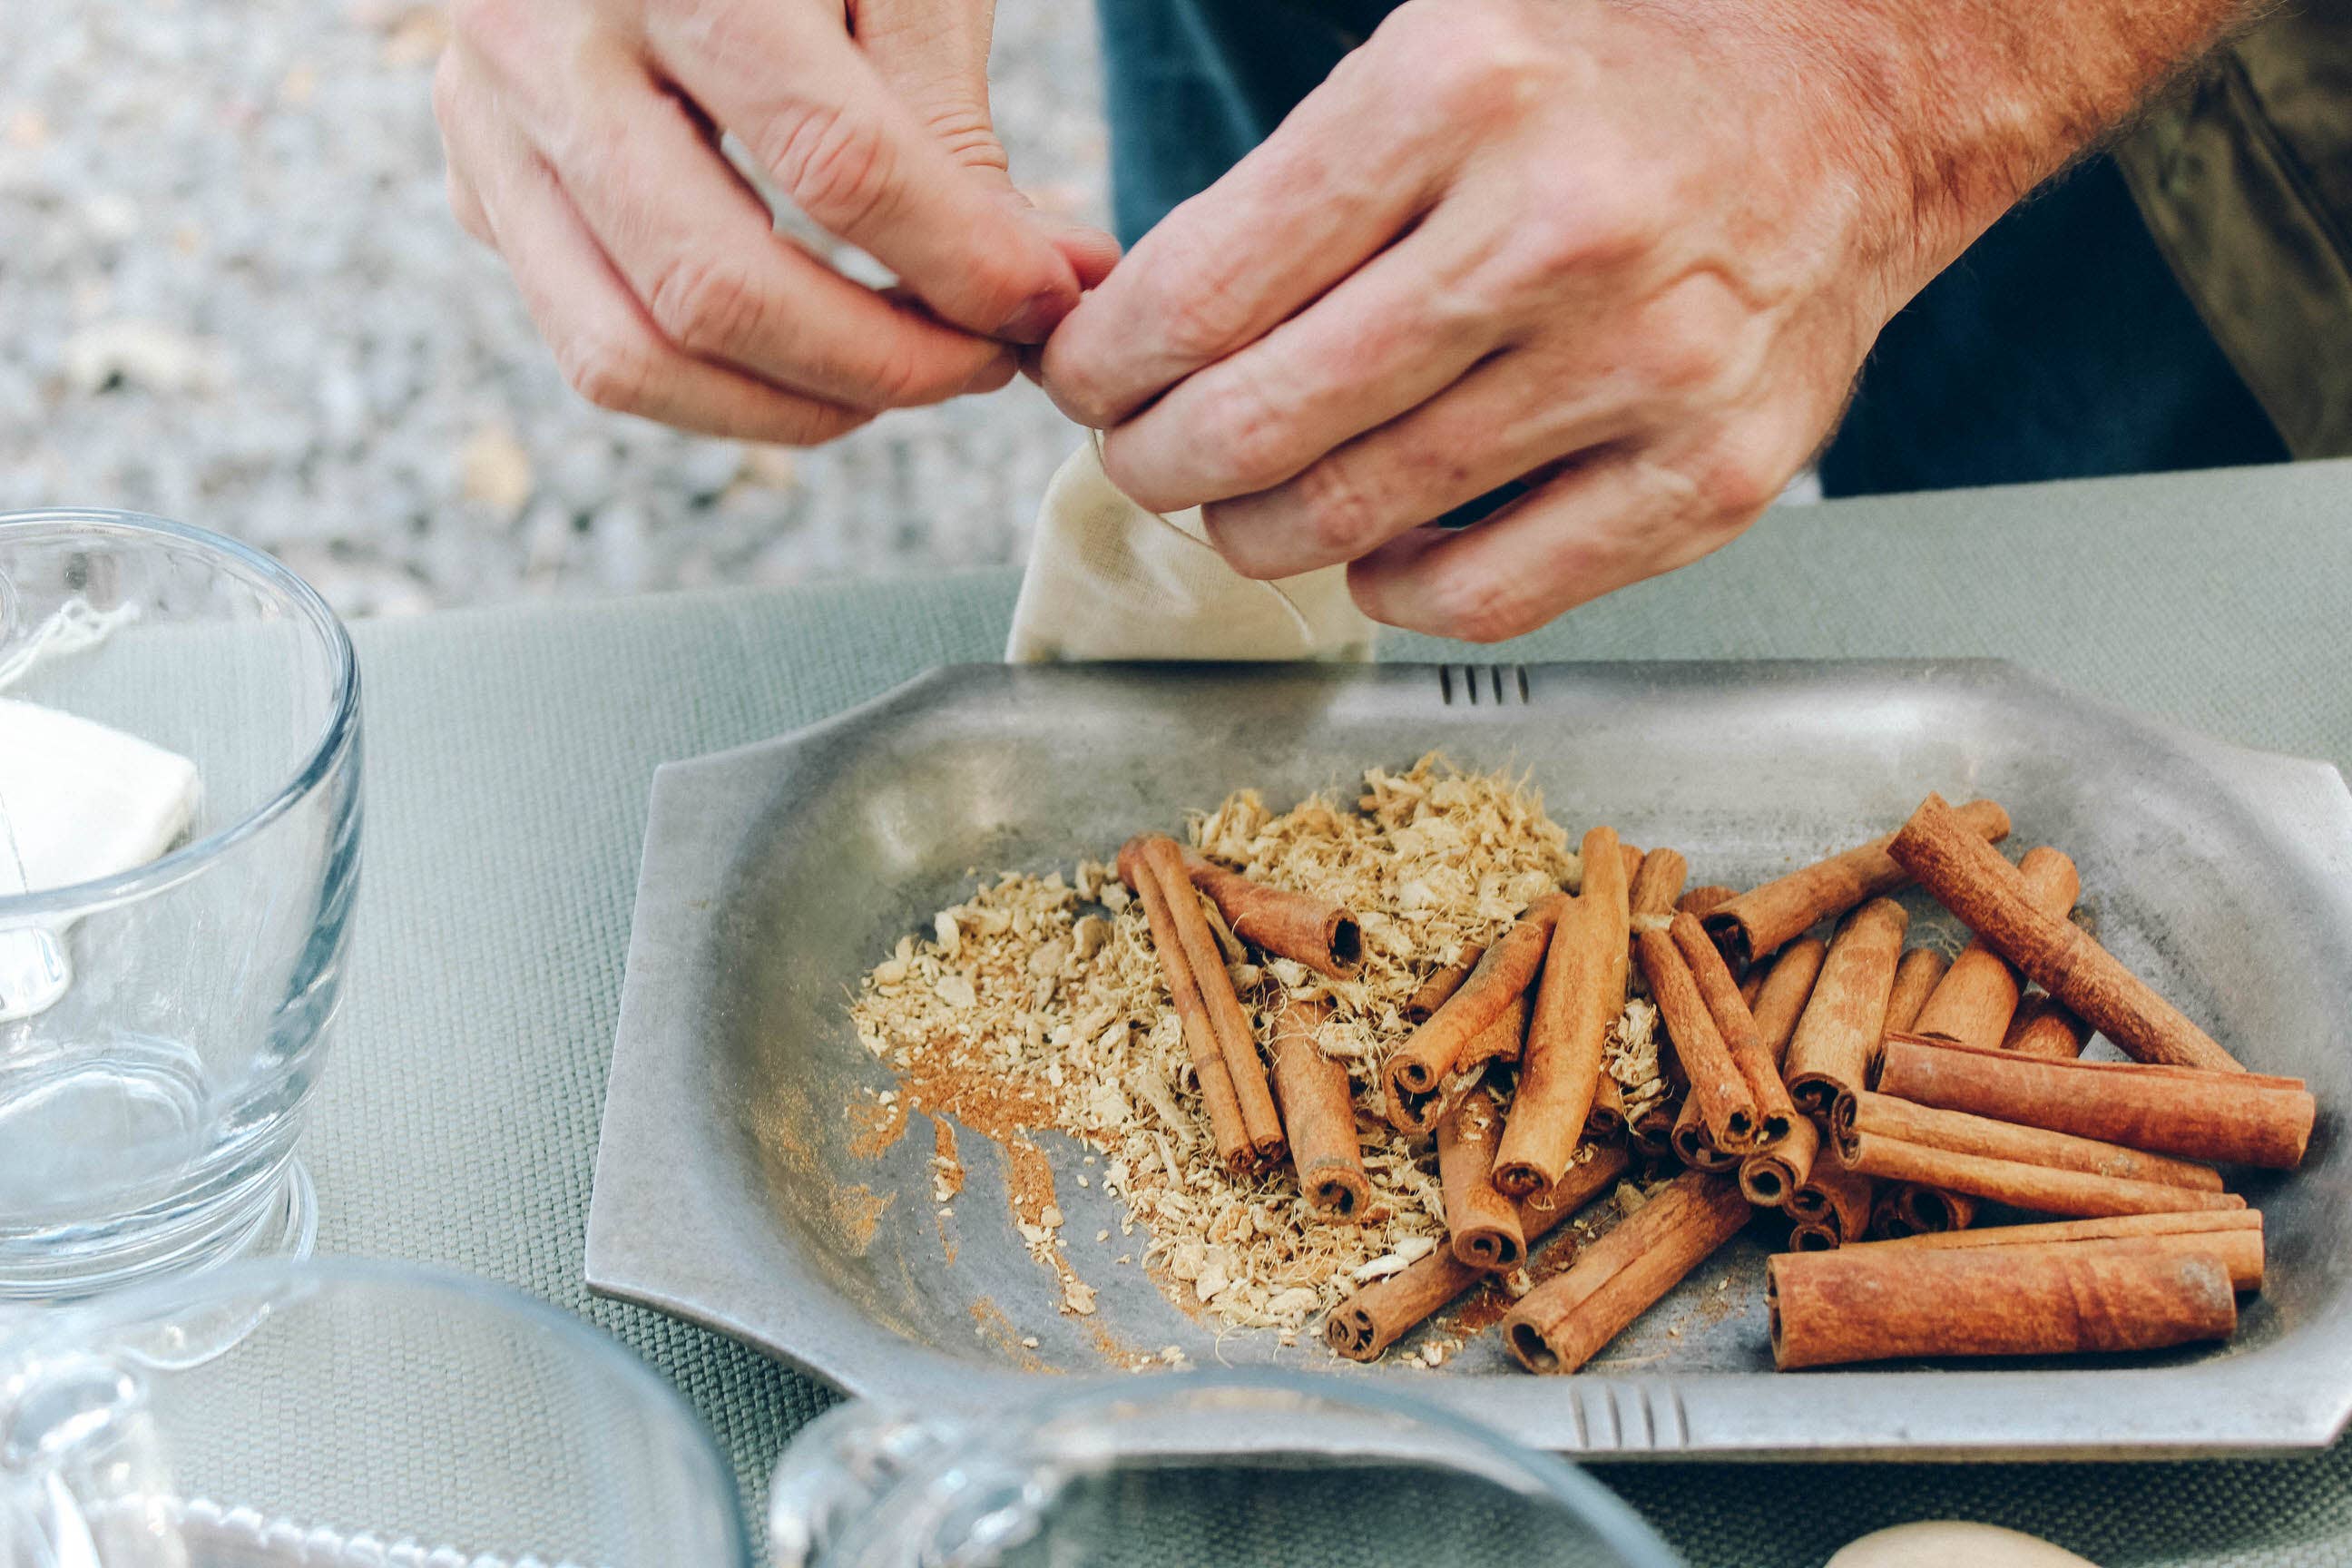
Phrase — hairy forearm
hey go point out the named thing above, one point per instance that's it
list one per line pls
(1980, 100)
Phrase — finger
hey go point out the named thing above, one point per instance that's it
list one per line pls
(699, 250)
(1500, 423)
(1380, 343)
(862, 165)
(1610, 521)
(464, 202)
(610, 349)
(1333, 184)
(1090, 251)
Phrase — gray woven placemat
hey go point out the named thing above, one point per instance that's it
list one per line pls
(510, 754)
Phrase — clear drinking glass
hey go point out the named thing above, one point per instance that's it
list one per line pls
(1190, 1471)
(342, 1413)
(162, 1028)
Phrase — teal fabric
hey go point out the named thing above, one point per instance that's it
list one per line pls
(510, 754)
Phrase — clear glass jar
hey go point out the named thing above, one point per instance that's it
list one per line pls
(342, 1413)
(1192, 1470)
(161, 1027)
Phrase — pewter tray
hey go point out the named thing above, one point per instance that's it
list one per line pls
(727, 1190)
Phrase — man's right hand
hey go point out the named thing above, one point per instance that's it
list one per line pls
(582, 139)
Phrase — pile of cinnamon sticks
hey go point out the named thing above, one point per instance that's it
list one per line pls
(1886, 1106)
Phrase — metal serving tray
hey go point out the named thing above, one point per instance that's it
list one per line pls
(727, 1190)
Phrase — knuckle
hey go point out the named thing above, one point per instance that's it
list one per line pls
(705, 304)
(1735, 476)
(1486, 608)
(1341, 516)
(612, 373)
(840, 168)
(1249, 436)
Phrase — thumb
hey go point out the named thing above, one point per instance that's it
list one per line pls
(933, 55)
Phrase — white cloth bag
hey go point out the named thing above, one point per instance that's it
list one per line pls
(1108, 580)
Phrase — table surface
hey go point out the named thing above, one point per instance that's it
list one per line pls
(509, 753)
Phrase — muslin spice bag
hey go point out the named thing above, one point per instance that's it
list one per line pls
(1108, 580)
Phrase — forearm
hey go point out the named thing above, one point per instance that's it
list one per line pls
(1950, 110)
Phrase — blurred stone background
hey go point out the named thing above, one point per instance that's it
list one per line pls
(231, 293)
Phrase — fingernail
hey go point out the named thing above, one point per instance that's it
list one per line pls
(1036, 319)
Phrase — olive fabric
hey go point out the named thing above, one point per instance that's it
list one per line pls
(2244, 172)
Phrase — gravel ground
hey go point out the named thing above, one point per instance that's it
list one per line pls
(231, 293)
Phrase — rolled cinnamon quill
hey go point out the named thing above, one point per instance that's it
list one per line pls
(1984, 891)
(1317, 932)
(1157, 857)
(1877, 1303)
(1216, 1084)
(1658, 883)
(1384, 1312)
(2043, 1028)
(2038, 1189)
(1707, 898)
(1980, 995)
(1719, 1097)
(2217, 1117)
(1692, 1144)
(2233, 1236)
(1482, 1225)
(1762, 920)
(1788, 986)
(1835, 1200)
(1771, 1174)
(1502, 975)
(1606, 1118)
(1652, 1130)
(1844, 1017)
(1775, 1115)
(1564, 1321)
(1931, 1211)
(1582, 993)
(1957, 1130)
(1319, 1113)
(1441, 983)
(1916, 976)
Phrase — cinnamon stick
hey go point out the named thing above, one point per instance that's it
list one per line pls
(1658, 883)
(1788, 986)
(1834, 1199)
(1753, 986)
(1692, 1144)
(1887, 1221)
(1317, 932)
(1978, 997)
(1718, 1095)
(1653, 1130)
(1384, 1312)
(1158, 858)
(1216, 1084)
(1916, 976)
(1443, 982)
(1606, 1118)
(1957, 1130)
(1866, 1303)
(1931, 1211)
(2038, 1189)
(1984, 891)
(2233, 1236)
(1581, 995)
(1846, 1013)
(1564, 1321)
(1771, 1174)
(1503, 1040)
(1319, 1113)
(2043, 1028)
(1706, 898)
(2216, 1118)
(1483, 1224)
(1762, 920)
(1775, 1115)
(1500, 977)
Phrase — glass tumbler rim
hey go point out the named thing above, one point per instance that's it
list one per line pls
(319, 763)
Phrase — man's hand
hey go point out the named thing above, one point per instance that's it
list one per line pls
(1629, 252)
(582, 143)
